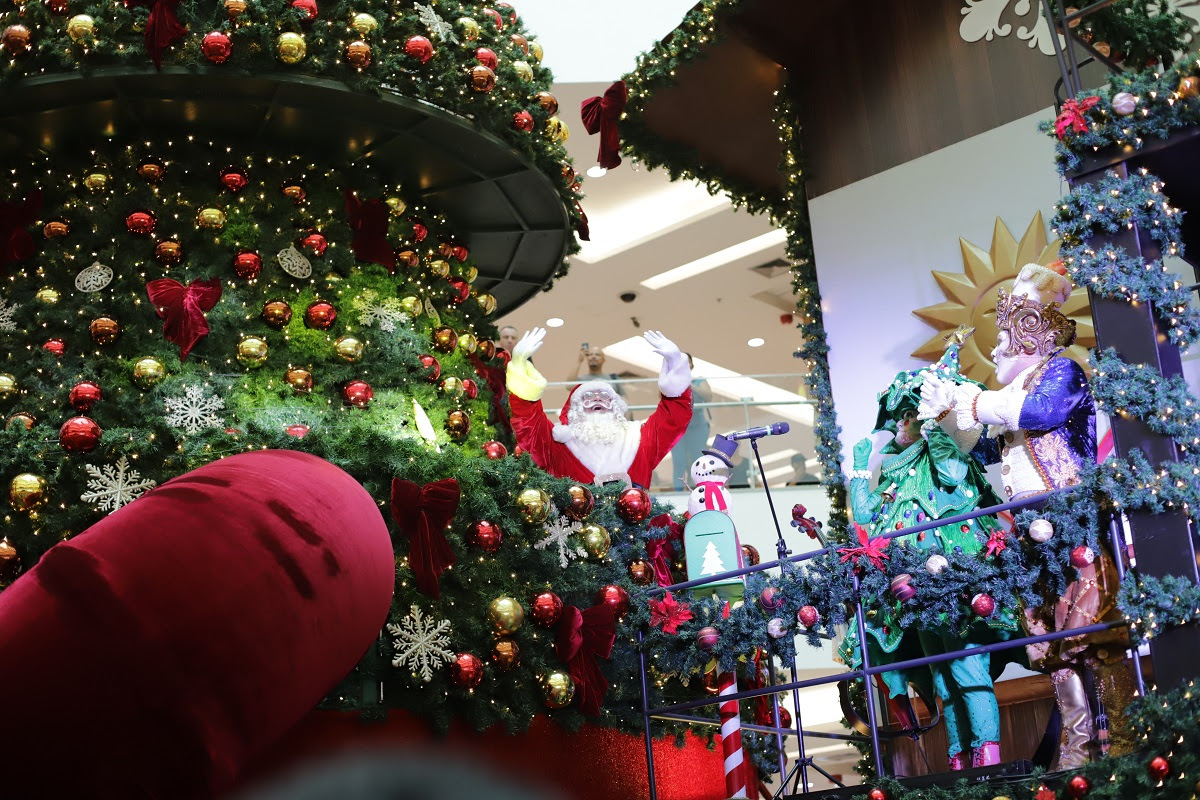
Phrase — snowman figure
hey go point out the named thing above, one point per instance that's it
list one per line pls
(709, 474)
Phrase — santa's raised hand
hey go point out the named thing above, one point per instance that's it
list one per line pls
(529, 343)
(522, 377)
(675, 375)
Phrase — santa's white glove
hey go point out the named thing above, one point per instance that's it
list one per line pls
(675, 375)
(522, 378)
(937, 395)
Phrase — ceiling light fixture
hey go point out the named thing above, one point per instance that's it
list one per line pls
(554, 322)
(757, 341)
(596, 171)
(718, 259)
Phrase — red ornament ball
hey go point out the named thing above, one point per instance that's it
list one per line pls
(466, 671)
(1158, 768)
(315, 243)
(485, 535)
(494, 450)
(1078, 786)
(808, 616)
(247, 264)
(785, 718)
(320, 315)
(770, 599)
(579, 503)
(55, 347)
(234, 179)
(633, 505)
(750, 555)
(506, 11)
(494, 15)
(458, 252)
(486, 348)
(1082, 556)
(217, 46)
(877, 794)
(615, 598)
(431, 366)
(545, 609)
(142, 223)
(523, 121)
(308, 8)
(419, 47)
(297, 430)
(983, 604)
(503, 356)
(486, 57)
(460, 290)
(358, 394)
(84, 395)
(79, 435)
(471, 389)
(420, 231)
(706, 637)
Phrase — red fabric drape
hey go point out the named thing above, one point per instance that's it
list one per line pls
(600, 115)
(422, 514)
(183, 309)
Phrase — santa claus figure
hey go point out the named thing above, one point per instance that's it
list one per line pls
(595, 442)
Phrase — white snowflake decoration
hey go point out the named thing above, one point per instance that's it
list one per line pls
(195, 410)
(7, 323)
(112, 486)
(437, 26)
(421, 642)
(559, 531)
(387, 312)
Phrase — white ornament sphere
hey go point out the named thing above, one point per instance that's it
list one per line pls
(1040, 530)
(1124, 103)
(936, 563)
(776, 629)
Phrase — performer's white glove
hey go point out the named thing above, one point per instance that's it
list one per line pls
(529, 344)
(937, 395)
(675, 376)
(523, 379)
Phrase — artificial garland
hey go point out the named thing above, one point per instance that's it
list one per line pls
(1165, 404)
(1136, 32)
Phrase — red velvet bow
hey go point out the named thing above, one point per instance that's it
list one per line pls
(494, 377)
(162, 27)
(871, 548)
(600, 115)
(1071, 117)
(15, 242)
(582, 637)
(661, 551)
(422, 514)
(183, 309)
(369, 221)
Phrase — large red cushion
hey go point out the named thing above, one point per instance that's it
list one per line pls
(157, 652)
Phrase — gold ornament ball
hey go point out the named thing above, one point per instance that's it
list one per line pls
(558, 130)
(15, 39)
(1189, 87)
(148, 371)
(558, 690)
(276, 313)
(364, 24)
(458, 424)
(595, 539)
(533, 505)
(506, 655)
(469, 273)
(8, 385)
(547, 101)
(47, 296)
(213, 218)
(22, 418)
(96, 180)
(349, 349)
(641, 572)
(487, 302)
(523, 70)
(291, 48)
(506, 615)
(411, 306)
(468, 27)
(358, 54)
(452, 386)
(10, 563)
(482, 78)
(27, 492)
(445, 339)
(535, 50)
(301, 380)
(104, 330)
(252, 351)
(235, 8)
(439, 268)
(467, 343)
(397, 206)
(80, 27)
(56, 228)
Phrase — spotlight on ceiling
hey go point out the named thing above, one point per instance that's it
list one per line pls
(596, 171)
(554, 322)
(756, 342)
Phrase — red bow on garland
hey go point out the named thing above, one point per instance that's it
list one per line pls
(183, 309)
(871, 548)
(15, 242)
(422, 514)
(600, 115)
(369, 221)
(582, 637)
(1071, 117)
(661, 551)
(162, 27)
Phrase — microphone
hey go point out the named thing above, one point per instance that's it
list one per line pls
(774, 429)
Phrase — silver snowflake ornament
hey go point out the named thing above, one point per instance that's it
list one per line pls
(371, 310)
(558, 532)
(422, 643)
(437, 26)
(7, 323)
(194, 410)
(113, 486)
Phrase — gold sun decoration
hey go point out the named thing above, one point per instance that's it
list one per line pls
(971, 299)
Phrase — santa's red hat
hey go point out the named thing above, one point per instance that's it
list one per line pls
(562, 432)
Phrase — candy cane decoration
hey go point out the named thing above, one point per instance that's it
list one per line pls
(731, 737)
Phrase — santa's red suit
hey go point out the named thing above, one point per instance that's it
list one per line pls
(638, 447)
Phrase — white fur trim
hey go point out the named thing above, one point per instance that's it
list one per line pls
(562, 434)
(524, 380)
(675, 376)
(605, 458)
(964, 399)
(1002, 407)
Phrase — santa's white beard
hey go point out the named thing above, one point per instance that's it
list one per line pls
(597, 427)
